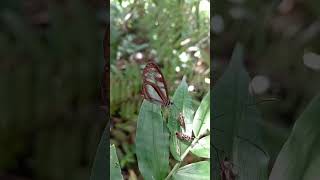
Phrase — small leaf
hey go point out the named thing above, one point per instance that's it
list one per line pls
(115, 170)
(152, 142)
(202, 147)
(201, 121)
(299, 157)
(100, 165)
(195, 171)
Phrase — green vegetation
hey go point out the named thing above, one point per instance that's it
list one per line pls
(279, 40)
(175, 34)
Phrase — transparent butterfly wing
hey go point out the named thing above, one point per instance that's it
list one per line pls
(155, 88)
(151, 94)
(153, 74)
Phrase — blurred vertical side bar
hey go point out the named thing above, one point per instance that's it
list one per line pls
(212, 75)
(106, 77)
(100, 168)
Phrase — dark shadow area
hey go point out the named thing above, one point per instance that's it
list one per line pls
(281, 55)
(51, 61)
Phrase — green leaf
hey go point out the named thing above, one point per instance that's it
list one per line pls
(195, 171)
(182, 103)
(236, 123)
(100, 165)
(115, 170)
(201, 121)
(152, 142)
(299, 158)
(202, 147)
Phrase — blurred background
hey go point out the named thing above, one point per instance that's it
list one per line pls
(174, 34)
(51, 61)
(282, 57)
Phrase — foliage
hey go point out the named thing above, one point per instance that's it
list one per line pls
(115, 171)
(155, 136)
(134, 24)
(125, 90)
(277, 35)
(237, 134)
(299, 156)
(152, 142)
(199, 170)
(99, 167)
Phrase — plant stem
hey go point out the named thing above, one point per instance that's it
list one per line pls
(177, 165)
(174, 169)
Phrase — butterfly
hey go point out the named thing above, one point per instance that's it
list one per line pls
(184, 137)
(228, 172)
(154, 88)
(181, 120)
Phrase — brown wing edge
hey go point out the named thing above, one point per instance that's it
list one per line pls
(147, 96)
(150, 65)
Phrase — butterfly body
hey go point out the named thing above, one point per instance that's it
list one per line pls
(184, 137)
(181, 120)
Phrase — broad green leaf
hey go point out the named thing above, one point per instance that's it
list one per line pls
(182, 103)
(299, 158)
(236, 128)
(195, 171)
(202, 147)
(115, 169)
(100, 165)
(152, 142)
(201, 121)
